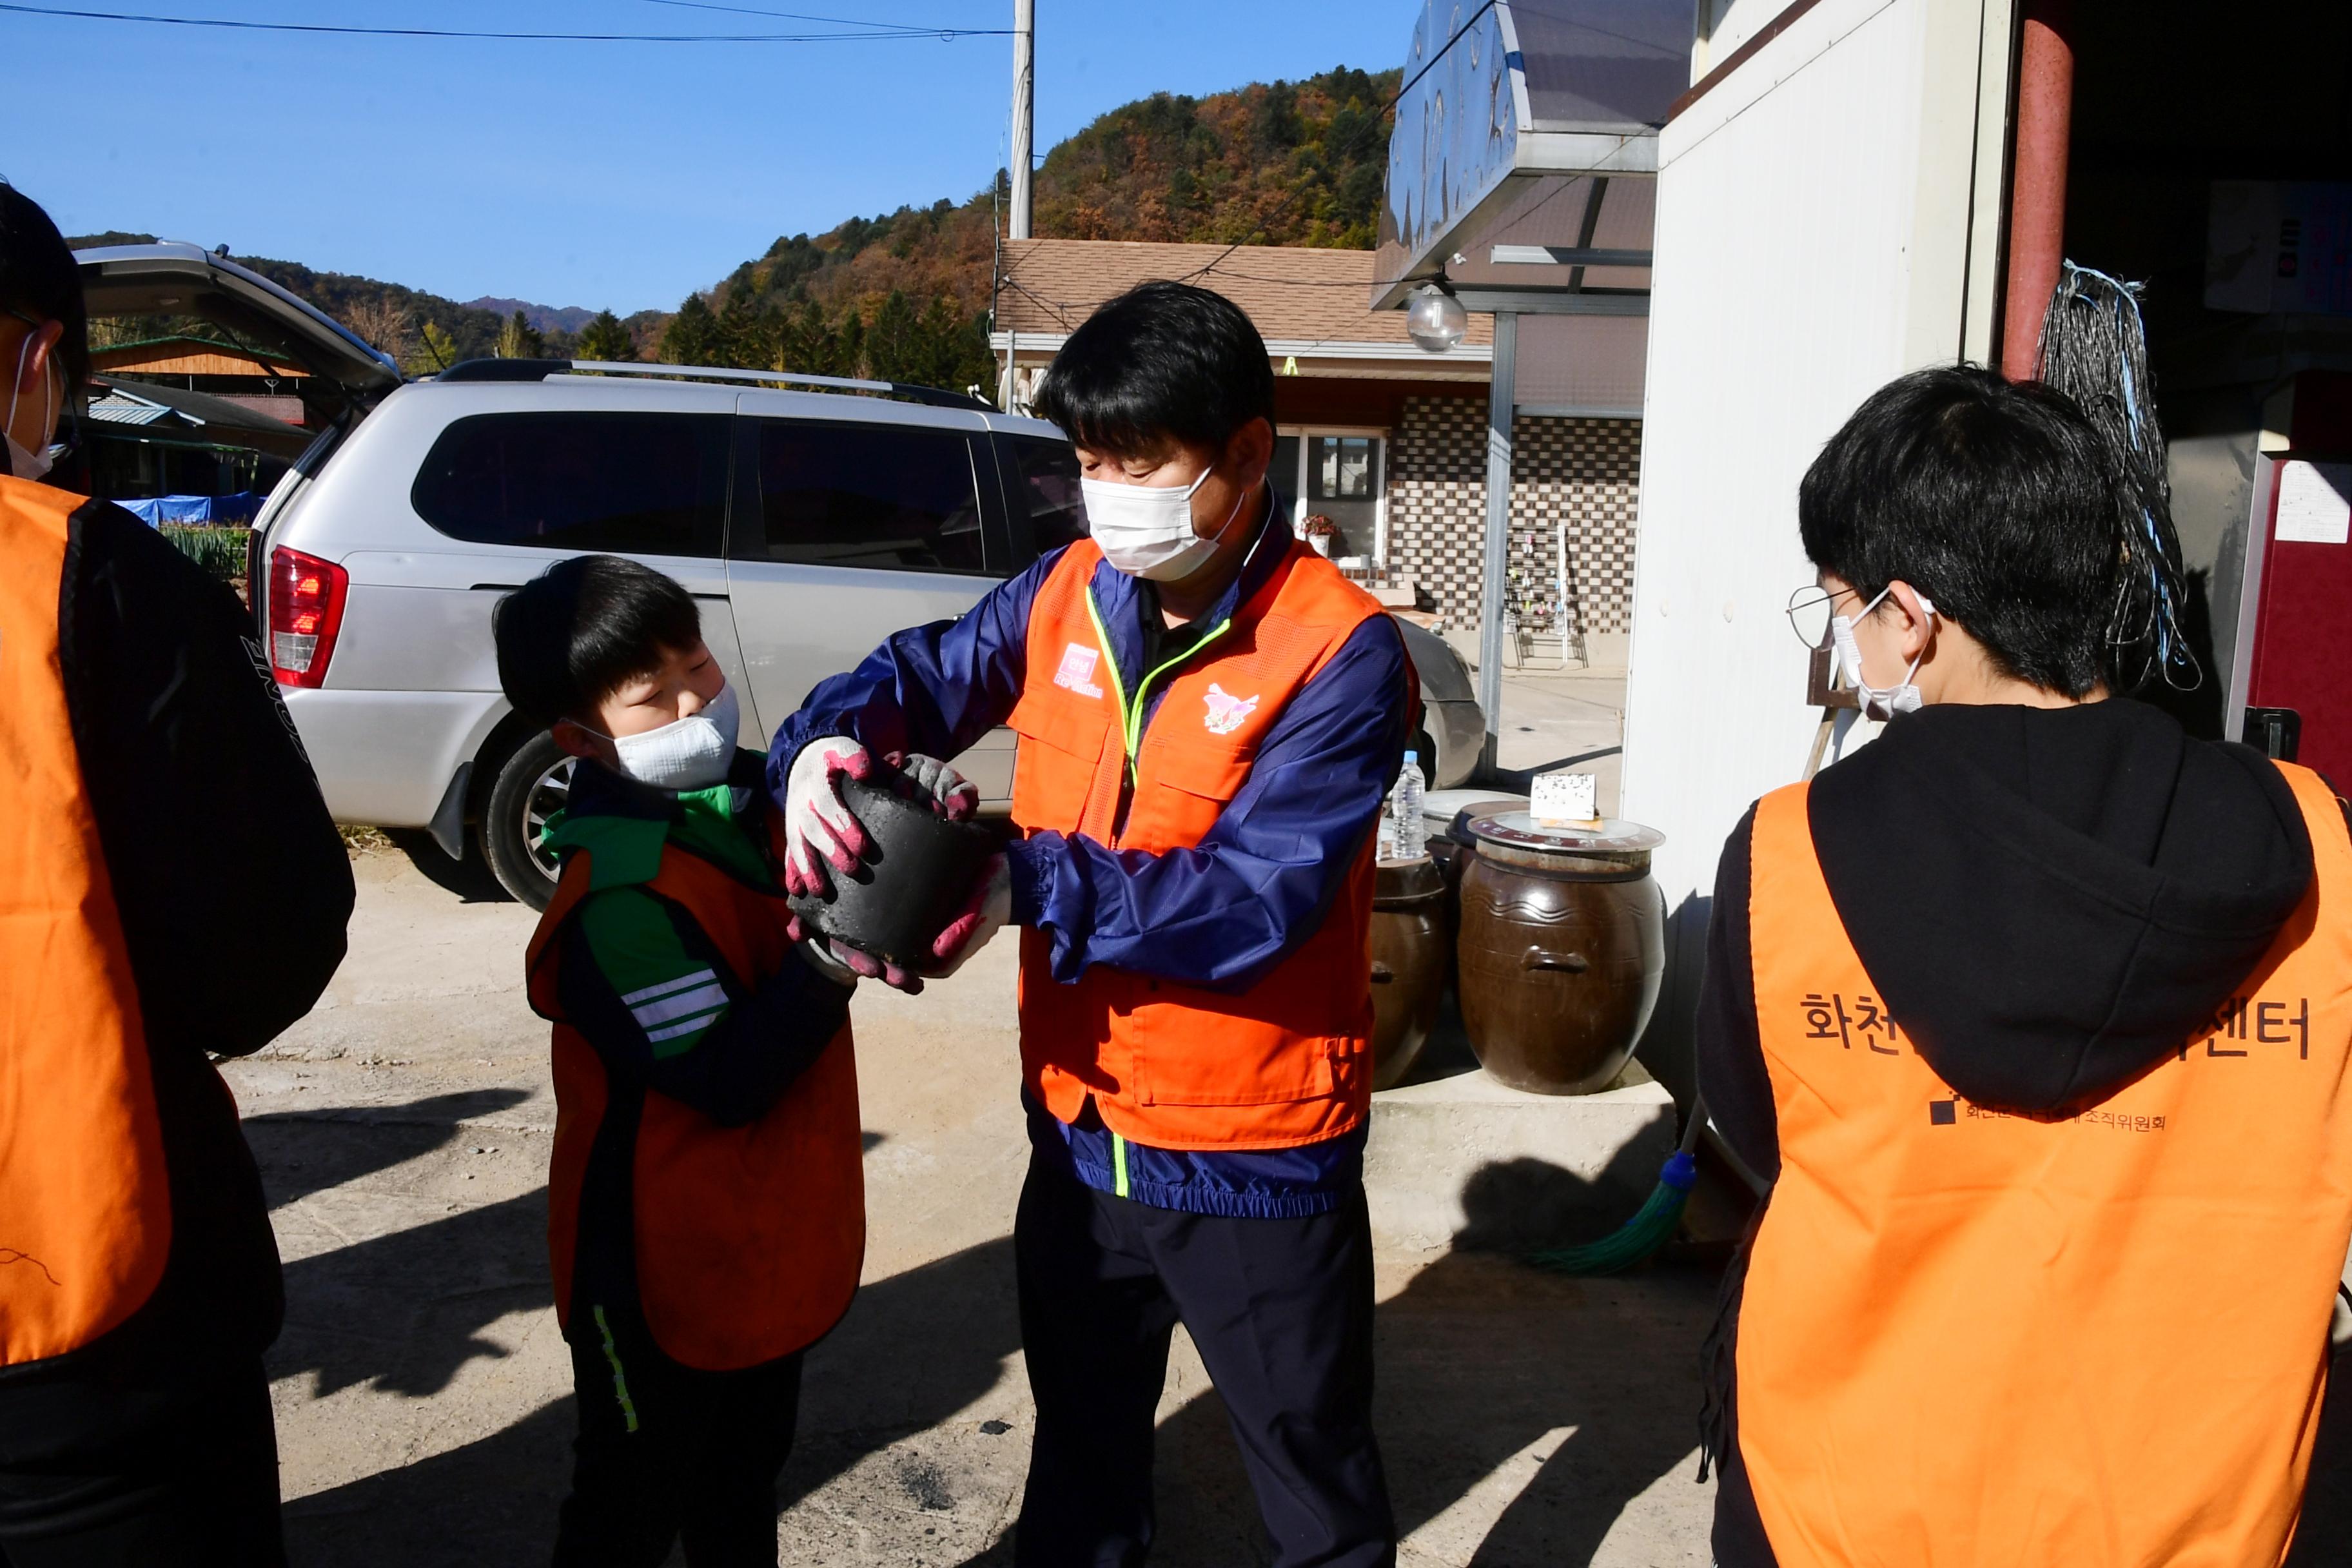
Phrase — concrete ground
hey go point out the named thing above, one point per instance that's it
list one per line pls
(1567, 720)
(423, 1392)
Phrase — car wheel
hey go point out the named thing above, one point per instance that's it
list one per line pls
(533, 784)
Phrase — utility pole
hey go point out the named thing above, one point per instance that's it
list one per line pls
(1024, 111)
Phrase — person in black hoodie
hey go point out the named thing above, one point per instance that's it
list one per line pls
(2036, 1013)
(172, 889)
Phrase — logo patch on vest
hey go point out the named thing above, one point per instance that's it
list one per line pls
(1077, 671)
(1226, 712)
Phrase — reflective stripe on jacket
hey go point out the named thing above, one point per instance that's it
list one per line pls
(85, 1205)
(742, 1243)
(1974, 1339)
(1283, 1061)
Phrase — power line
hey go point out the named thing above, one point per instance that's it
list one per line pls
(944, 34)
(882, 29)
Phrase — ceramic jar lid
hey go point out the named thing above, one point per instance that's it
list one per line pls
(1616, 847)
(1443, 809)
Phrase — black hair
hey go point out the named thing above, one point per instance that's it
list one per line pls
(1161, 361)
(1998, 501)
(570, 637)
(39, 278)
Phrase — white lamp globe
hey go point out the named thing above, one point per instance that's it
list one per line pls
(1435, 320)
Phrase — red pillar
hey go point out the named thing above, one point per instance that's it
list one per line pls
(2037, 182)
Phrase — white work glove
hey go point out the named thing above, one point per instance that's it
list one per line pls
(984, 917)
(819, 827)
(952, 794)
(819, 953)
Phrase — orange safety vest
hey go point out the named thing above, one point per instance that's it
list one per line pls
(1980, 1340)
(748, 1240)
(85, 1209)
(1173, 1066)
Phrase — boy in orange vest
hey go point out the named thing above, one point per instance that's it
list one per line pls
(1209, 718)
(705, 1205)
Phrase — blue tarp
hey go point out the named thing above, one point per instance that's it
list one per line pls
(240, 508)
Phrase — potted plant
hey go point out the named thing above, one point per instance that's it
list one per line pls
(1322, 533)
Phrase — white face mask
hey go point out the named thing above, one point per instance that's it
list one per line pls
(1880, 702)
(23, 464)
(692, 752)
(1146, 531)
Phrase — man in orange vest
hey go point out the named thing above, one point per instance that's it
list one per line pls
(705, 1208)
(1209, 718)
(2038, 1014)
(171, 888)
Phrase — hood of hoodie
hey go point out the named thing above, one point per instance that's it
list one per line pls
(2051, 900)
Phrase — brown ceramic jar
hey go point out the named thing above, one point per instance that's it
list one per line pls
(1561, 952)
(1409, 953)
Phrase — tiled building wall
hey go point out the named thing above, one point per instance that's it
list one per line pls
(1582, 472)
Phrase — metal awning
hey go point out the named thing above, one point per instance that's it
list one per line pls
(1513, 94)
(122, 408)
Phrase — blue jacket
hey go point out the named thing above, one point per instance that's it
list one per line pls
(1221, 914)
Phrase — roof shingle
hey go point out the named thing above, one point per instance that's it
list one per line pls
(1294, 294)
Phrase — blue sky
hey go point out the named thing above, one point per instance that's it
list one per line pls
(575, 173)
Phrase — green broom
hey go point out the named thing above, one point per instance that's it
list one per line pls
(1651, 1226)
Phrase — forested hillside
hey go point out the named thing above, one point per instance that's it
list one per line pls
(905, 296)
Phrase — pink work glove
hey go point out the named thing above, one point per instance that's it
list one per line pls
(820, 829)
(990, 906)
(815, 800)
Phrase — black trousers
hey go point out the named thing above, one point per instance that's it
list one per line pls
(1281, 1310)
(141, 1472)
(668, 1453)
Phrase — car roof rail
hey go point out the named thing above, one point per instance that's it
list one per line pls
(541, 369)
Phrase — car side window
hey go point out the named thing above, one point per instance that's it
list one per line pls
(648, 484)
(893, 497)
(1049, 489)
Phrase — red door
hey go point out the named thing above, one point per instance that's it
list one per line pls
(2302, 654)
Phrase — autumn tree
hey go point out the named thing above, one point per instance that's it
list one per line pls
(520, 340)
(438, 350)
(382, 324)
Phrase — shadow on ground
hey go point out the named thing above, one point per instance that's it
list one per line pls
(1483, 1361)
(915, 1348)
(471, 879)
(307, 1152)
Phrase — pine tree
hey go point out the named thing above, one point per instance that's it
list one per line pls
(851, 346)
(745, 340)
(806, 345)
(520, 340)
(894, 349)
(604, 338)
(692, 336)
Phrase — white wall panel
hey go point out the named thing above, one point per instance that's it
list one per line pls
(1814, 238)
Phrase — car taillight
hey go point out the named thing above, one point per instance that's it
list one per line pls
(306, 610)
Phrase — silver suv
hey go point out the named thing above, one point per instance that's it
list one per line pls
(809, 525)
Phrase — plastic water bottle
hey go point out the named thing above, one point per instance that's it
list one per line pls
(1405, 808)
